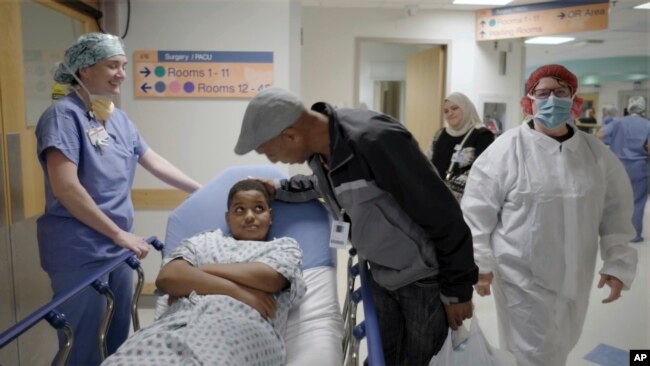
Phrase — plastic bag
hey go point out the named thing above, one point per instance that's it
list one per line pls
(472, 352)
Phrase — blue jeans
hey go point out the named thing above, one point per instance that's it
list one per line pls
(412, 322)
(85, 312)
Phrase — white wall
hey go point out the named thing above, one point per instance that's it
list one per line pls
(198, 135)
(328, 57)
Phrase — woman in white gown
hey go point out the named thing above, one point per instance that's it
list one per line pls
(540, 201)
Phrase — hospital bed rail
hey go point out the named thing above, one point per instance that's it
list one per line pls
(369, 327)
(57, 320)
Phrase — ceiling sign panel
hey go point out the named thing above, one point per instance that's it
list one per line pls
(556, 17)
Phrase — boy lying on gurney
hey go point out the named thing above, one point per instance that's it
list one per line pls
(232, 293)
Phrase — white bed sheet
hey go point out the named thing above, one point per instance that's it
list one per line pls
(315, 328)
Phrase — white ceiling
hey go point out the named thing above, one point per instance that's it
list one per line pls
(628, 33)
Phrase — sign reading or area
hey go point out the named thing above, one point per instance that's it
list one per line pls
(202, 74)
(555, 17)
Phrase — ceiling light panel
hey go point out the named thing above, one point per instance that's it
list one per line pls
(482, 2)
(549, 40)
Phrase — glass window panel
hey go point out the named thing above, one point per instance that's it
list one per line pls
(46, 35)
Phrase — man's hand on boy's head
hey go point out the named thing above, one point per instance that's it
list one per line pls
(269, 185)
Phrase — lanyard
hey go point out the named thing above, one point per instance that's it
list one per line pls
(453, 161)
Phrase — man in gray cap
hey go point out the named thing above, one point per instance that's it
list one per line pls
(404, 221)
(629, 139)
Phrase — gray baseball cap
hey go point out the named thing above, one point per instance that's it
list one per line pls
(267, 115)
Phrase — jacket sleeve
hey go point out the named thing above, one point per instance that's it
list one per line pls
(400, 168)
(616, 230)
(299, 188)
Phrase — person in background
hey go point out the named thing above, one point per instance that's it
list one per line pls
(455, 146)
(541, 201)
(88, 150)
(587, 121)
(590, 117)
(629, 139)
(610, 112)
(231, 293)
(404, 221)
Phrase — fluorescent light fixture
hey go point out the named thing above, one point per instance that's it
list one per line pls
(482, 2)
(643, 6)
(637, 77)
(549, 40)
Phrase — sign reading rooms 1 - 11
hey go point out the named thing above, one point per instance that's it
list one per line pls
(554, 17)
(201, 74)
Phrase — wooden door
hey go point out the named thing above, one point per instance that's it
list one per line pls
(425, 85)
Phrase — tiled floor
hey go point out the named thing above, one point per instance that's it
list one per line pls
(623, 324)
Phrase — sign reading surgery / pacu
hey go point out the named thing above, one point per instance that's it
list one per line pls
(202, 74)
(555, 17)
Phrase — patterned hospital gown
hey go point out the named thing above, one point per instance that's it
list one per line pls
(217, 329)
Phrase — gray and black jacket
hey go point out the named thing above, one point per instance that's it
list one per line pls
(404, 221)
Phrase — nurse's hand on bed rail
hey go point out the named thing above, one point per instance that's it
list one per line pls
(456, 313)
(134, 243)
(268, 184)
(261, 301)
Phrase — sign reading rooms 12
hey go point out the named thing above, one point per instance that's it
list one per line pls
(201, 74)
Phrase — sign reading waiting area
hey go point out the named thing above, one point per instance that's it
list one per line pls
(555, 17)
(202, 74)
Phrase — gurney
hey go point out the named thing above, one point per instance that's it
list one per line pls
(315, 330)
(317, 333)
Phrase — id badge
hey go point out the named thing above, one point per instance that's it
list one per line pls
(98, 136)
(339, 234)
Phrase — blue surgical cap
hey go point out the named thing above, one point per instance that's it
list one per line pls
(89, 49)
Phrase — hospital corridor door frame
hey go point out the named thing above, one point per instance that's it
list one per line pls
(24, 286)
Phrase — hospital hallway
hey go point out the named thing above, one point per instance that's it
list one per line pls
(622, 324)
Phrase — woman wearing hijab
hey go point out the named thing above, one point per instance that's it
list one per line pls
(629, 139)
(541, 201)
(88, 150)
(459, 143)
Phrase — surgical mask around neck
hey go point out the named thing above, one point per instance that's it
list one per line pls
(100, 105)
(553, 112)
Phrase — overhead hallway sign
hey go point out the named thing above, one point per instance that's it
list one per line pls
(202, 74)
(555, 17)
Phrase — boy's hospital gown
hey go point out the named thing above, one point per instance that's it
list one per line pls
(218, 329)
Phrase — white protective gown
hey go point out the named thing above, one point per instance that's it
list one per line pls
(536, 208)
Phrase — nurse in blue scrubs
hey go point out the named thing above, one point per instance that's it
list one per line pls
(629, 139)
(88, 150)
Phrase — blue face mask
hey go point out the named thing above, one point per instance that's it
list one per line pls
(553, 112)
